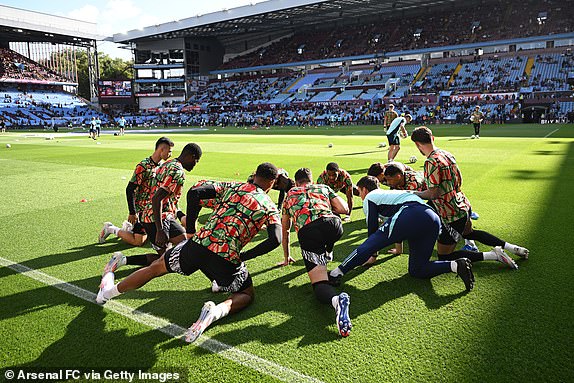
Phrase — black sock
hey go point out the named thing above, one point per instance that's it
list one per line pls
(141, 259)
(474, 256)
(324, 291)
(485, 238)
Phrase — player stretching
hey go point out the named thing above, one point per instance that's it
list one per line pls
(138, 193)
(410, 219)
(159, 215)
(215, 249)
(338, 180)
(476, 118)
(444, 181)
(311, 207)
(397, 128)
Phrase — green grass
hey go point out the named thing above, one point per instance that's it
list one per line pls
(515, 325)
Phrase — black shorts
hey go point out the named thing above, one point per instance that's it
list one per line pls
(451, 233)
(394, 138)
(317, 239)
(476, 124)
(139, 228)
(171, 228)
(188, 256)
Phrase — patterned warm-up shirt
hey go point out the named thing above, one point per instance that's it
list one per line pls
(476, 116)
(308, 203)
(341, 183)
(170, 176)
(243, 210)
(413, 181)
(219, 186)
(143, 177)
(390, 115)
(441, 171)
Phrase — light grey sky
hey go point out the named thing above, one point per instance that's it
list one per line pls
(117, 16)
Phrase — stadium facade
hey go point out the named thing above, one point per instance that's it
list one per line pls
(174, 60)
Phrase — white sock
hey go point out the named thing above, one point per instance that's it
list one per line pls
(514, 249)
(114, 230)
(453, 266)
(123, 261)
(336, 272)
(490, 256)
(112, 293)
(335, 302)
(220, 311)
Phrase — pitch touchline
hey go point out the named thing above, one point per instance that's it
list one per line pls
(229, 352)
(551, 133)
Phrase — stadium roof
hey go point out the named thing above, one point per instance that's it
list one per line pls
(273, 16)
(20, 25)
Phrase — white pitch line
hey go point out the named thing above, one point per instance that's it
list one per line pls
(551, 133)
(229, 352)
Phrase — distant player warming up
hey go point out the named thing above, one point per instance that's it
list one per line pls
(394, 132)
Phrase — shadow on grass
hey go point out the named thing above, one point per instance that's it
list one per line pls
(75, 253)
(532, 320)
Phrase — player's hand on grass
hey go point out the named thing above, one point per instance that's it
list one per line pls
(394, 251)
(132, 218)
(286, 262)
(347, 219)
(372, 259)
(161, 239)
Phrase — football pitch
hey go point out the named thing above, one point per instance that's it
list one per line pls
(514, 326)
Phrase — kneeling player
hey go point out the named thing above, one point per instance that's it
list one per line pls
(410, 219)
(311, 207)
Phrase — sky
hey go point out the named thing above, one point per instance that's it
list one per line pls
(117, 16)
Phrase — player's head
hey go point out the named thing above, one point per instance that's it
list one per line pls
(265, 176)
(423, 139)
(366, 185)
(391, 107)
(284, 183)
(303, 176)
(377, 170)
(164, 147)
(190, 156)
(409, 118)
(394, 175)
(332, 171)
(477, 107)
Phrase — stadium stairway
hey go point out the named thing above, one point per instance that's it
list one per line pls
(529, 65)
(421, 74)
(453, 76)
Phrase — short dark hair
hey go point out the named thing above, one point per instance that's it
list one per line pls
(392, 169)
(368, 182)
(375, 169)
(303, 174)
(164, 140)
(422, 134)
(267, 171)
(333, 166)
(192, 149)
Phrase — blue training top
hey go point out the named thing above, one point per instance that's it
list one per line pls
(386, 203)
(397, 122)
